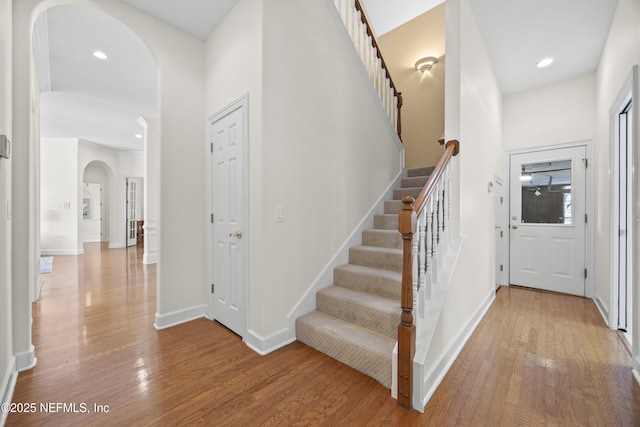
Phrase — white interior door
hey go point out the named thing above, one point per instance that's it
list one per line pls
(229, 242)
(132, 203)
(548, 220)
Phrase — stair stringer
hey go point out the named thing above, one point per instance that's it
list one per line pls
(307, 302)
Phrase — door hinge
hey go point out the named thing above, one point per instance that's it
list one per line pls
(501, 233)
(212, 147)
(586, 216)
(501, 267)
(501, 199)
(211, 218)
(585, 273)
(213, 288)
(586, 162)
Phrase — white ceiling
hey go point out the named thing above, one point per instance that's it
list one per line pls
(195, 17)
(96, 100)
(100, 101)
(386, 15)
(519, 33)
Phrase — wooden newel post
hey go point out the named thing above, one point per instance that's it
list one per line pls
(406, 329)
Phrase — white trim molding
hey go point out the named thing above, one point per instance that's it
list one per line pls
(26, 360)
(7, 387)
(265, 345)
(150, 242)
(164, 321)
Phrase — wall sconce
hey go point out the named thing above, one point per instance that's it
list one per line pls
(425, 64)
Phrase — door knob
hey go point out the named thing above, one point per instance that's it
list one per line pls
(238, 234)
(514, 226)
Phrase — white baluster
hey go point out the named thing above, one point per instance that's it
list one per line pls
(414, 267)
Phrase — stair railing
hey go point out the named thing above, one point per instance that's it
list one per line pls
(425, 226)
(366, 45)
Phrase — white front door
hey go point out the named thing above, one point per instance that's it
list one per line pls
(132, 206)
(548, 220)
(229, 234)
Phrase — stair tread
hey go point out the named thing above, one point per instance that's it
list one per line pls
(371, 271)
(386, 283)
(373, 301)
(366, 351)
(378, 249)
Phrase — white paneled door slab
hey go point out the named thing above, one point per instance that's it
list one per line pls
(548, 220)
(229, 240)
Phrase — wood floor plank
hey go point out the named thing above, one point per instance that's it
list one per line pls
(536, 358)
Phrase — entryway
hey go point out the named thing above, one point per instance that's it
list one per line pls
(548, 218)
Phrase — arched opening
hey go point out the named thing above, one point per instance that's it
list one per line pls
(86, 131)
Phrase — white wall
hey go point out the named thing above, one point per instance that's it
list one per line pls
(621, 52)
(479, 124)
(59, 196)
(317, 144)
(327, 152)
(558, 113)
(7, 361)
(65, 164)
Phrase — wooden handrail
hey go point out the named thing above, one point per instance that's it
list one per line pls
(396, 92)
(407, 221)
(452, 148)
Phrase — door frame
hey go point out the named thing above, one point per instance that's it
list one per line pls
(240, 103)
(589, 236)
(137, 180)
(501, 215)
(629, 89)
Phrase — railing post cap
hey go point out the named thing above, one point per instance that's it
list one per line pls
(407, 202)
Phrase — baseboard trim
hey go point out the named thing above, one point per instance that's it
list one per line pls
(440, 369)
(150, 259)
(26, 360)
(601, 308)
(636, 369)
(264, 346)
(38, 292)
(307, 303)
(8, 386)
(117, 245)
(174, 318)
(45, 252)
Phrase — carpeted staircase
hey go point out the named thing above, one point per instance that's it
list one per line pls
(356, 319)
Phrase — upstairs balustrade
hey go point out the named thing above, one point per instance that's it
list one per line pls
(366, 45)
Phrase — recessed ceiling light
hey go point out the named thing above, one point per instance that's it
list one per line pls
(137, 135)
(99, 54)
(545, 62)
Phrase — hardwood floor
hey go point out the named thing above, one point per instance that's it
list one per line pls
(535, 359)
